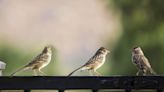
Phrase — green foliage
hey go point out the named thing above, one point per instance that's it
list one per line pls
(143, 25)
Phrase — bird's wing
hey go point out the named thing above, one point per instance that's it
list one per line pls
(147, 65)
(145, 62)
(38, 59)
(93, 60)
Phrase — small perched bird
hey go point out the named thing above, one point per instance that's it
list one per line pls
(38, 62)
(95, 62)
(142, 63)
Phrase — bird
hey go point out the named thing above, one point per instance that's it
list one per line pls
(94, 62)
(141, 62)
(39, 62)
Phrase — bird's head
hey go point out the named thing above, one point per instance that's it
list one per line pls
(103, 50)
(137, 50)
(47, 49)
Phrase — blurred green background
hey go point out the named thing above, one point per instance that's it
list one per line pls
(131, 23)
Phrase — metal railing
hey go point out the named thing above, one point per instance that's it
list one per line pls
(62, 83)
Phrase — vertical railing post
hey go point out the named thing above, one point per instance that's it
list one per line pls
(95, 90)
(60, 90)
(2, 67)
(159, 90)
(128, 90)
(27, 90)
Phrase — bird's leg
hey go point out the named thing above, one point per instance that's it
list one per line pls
(138, 73)
(97, 73)
(144, 72)
(42, 72)
(35, 72)
(90, 72)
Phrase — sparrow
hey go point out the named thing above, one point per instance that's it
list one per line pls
(39, 62)
(141, 62)
(94, 62)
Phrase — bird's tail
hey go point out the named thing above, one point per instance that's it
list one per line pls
(20, 69)
(152, 71)
(75, 70)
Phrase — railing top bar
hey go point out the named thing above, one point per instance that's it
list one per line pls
(115, 76)
(82, 82)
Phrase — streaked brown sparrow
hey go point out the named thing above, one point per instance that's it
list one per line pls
(95, 62)
(38, 62)
(141, 62)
